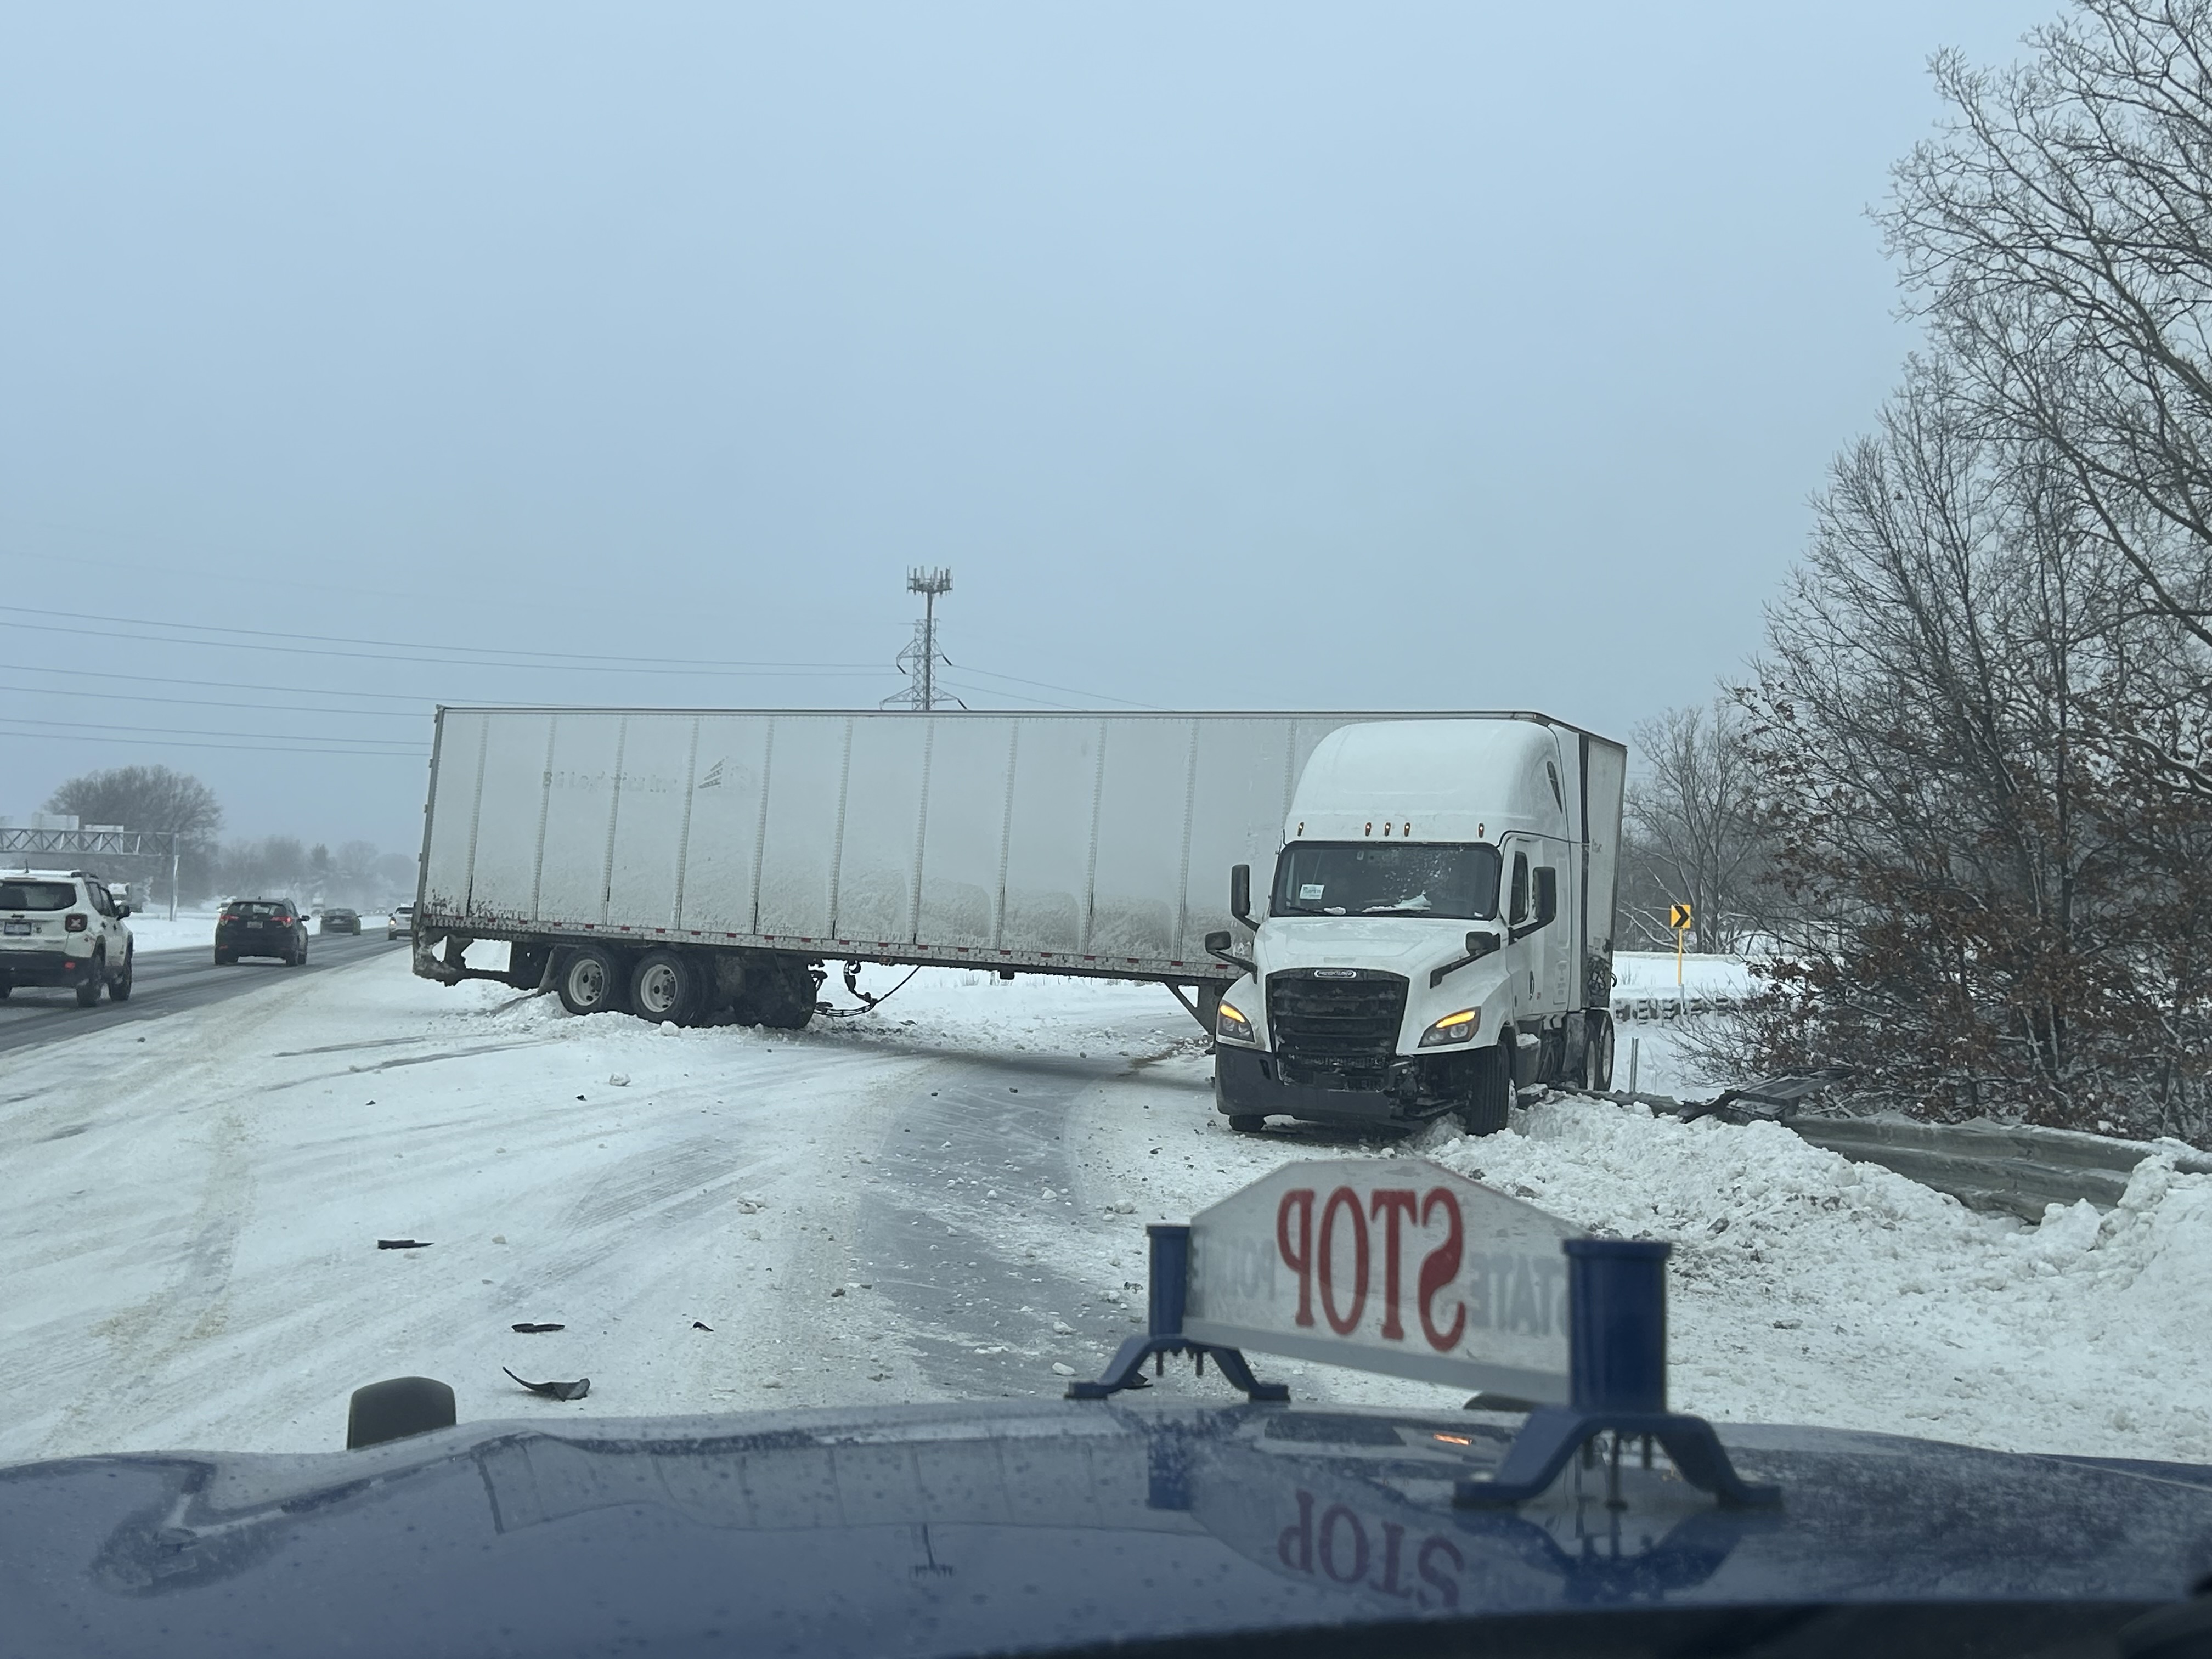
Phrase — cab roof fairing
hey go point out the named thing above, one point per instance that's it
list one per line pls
(1449, 780)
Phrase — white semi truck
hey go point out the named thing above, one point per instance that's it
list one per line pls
(1436, 926)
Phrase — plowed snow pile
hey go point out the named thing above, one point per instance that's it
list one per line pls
(1806, 1288)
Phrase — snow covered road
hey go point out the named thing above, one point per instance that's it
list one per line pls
(166, 982)
(943, 1199)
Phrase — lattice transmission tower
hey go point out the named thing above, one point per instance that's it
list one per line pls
(920, 658)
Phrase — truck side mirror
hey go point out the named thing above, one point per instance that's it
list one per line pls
(1218, 943)
(1478, 945)
(1240, 895)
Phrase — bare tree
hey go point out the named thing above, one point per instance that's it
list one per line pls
(1694, 834)
(2057, 236)
(151, 798)
(1996, 907)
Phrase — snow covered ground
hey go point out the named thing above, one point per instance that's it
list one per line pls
(946, 1196)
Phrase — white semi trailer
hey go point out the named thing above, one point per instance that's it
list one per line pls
(684, 865)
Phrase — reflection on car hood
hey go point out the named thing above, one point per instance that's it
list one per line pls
(925, 1531)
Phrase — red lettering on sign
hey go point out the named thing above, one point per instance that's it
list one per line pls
(1299, 1259)
(1343, 1199)
(1446, 1589)
(1295, 1545)
(1353, 1571)
(1439, 1268)
(1391, 1206)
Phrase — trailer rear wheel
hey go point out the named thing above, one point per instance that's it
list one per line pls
(1490, 1096)
(666, 984)
(591, 982)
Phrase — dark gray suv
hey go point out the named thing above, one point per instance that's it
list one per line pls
(261, 927)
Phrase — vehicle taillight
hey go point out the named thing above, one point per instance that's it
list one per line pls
(227, 916)
(76, 921)
(283, 921)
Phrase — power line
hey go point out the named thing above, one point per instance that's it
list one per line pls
(219, 686)
(248, 748)
(214, 702)
(198, 732)
(445, 652)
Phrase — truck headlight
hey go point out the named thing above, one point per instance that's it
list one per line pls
(1452, 1028)
(1230, 1022)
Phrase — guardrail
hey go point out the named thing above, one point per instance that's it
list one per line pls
(1632, 1006)
(2015, 1168)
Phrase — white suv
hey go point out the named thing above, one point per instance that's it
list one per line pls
(63, 927)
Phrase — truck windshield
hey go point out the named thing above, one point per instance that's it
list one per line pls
(1406, 878)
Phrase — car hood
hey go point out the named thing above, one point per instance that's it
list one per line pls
(925, 1531)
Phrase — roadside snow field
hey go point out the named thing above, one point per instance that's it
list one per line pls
(193, 1241)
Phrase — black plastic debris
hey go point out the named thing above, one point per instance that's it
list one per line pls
(402, 1243)
(575, 1390)
(533, 1330)
(840, 1291)
(696, 1325)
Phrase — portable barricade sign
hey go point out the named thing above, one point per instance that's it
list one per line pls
(1399, 1266)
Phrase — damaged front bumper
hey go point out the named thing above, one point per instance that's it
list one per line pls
(1411, 1089)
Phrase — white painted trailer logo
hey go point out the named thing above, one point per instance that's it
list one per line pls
(1392, 1265)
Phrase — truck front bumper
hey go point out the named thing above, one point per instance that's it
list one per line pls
(1246, 1083)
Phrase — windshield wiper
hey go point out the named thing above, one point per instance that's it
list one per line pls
(1399, 910)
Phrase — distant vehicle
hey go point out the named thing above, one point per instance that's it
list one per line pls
(402, 923)
(261, 927)
(63, 927)
(341, 921)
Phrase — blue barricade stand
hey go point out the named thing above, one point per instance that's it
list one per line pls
(1171, 1281)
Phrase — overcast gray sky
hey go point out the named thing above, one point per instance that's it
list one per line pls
(1272, 356)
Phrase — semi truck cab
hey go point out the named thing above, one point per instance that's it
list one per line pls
(1437, 932)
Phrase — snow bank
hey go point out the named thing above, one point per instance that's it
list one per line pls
(1806, 1288)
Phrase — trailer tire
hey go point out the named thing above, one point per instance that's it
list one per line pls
(590, 982)
(785, 1001)
(666, 985)
(1597, 1052)
(1490, 1091)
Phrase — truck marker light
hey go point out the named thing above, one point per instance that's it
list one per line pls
(1452, 1028)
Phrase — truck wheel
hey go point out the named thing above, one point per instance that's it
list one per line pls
(88, 989)
(590, 982)
(779, 992)
(119, 988)
(664, 985)
(1597, 1053)
(1490, 1096)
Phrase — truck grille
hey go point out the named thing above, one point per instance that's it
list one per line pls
(1335, 1032)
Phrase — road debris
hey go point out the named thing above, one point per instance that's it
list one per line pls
(533, 1330)
(402, 1243)
(575, 1390)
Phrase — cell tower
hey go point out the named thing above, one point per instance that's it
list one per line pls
(919, 661)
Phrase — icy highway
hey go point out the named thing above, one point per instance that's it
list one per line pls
(945, 1198)
(166, 982)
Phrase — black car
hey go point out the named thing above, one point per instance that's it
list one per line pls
(341, 922)
(261, 927)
